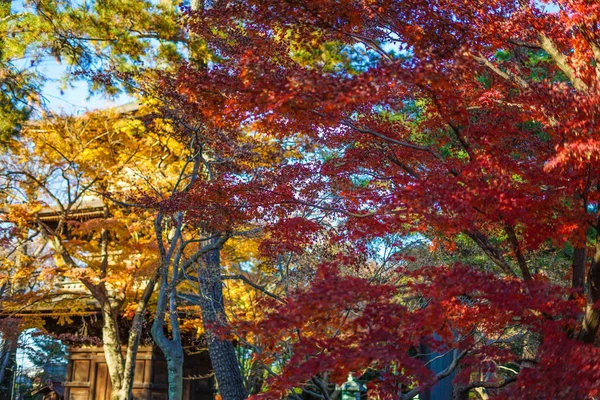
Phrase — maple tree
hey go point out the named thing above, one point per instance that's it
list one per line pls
(325, 131)
(211, 202)
(443, 118)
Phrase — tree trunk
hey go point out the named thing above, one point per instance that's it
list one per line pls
(112, 351)
(222, 353)
(9, 352)
(175, 371)
(133, 341)
(578, 268)
(171, 348)
(591, 320)
(255, 381)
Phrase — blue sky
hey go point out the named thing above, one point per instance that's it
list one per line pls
(75, 99)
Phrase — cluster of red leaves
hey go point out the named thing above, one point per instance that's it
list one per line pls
(484, 156)
(289, 235)
(465, 127)
(343, 324)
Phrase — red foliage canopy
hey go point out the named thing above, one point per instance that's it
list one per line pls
(437, 116)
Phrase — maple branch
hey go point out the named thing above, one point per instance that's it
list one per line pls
(522, 43)
(180, 177)
(367, 130)
(490, 385)
(254, 285)
(67, 159)
(41, 185)
(215, 246)
(561, 61)
(592, 41)
(516, 246)
(321, 387)
(98, 291)
(104, 241)
(19, 244)
(465, 145)
(441, 355)
(332, 209)
(507, 75)
(197, 158)
(79, 192)
(488, 248)
(320, 396)
(249, 233)
(403, 166)
(158, 229)
(368, 42)
(120, 202)
(198, 240)
(370, 131)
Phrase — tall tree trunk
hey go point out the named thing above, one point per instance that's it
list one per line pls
(112, 351)
(121, 367)
(222, 353)
(578, 276)
(171, 348)
(579, 259)
(578, 268)
(133, 341)
(9, 352)
(175, 372)
(591, 320)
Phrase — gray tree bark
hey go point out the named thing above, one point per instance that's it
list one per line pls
(171, 348)
(222, 353)
(9, 352)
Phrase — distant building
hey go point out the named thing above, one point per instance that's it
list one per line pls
(50, 391)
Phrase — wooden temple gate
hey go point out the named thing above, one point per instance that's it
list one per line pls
(87, 375)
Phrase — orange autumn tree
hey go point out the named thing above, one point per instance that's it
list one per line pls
(55, 179)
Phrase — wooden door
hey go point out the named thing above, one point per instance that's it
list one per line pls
(102, 386)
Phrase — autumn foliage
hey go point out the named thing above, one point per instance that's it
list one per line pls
(447, 119)
(384, 182)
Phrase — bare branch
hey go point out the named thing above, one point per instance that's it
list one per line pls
(254, 285)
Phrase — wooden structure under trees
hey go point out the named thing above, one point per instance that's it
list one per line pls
(87, 376)
(88, 379)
